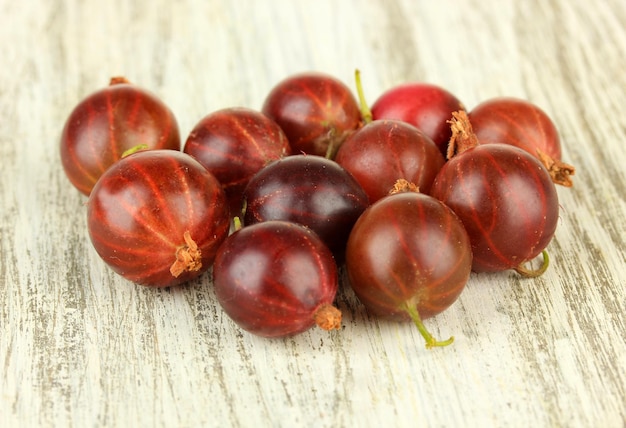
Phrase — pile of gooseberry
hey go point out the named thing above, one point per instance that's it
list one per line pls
(409, 197)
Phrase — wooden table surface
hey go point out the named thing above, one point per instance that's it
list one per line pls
(81, 347)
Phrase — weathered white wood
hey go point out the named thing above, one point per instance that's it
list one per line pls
(81, 347)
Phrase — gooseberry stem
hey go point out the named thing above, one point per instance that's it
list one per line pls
(533, 273)
(402, 186)
(417, 320)
(188, 257)
(328, 317)
(237, 223)
(118, 80)
(332, 148)
(463, 136)
(560, 172)
(366, 113)
(134, 149)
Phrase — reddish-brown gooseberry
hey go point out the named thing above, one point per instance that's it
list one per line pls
(277, 279)
(383, 151)
(157, 217)
(108, 123)
(408, 256)
(234, 144)
(522, 124)
(505, 198)
(316, 111)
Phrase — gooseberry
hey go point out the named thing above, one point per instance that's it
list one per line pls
(518, 122)
(384, 151)
(408, 257)
(233, 144)
(310, 190)
(156, 217)
(316, 111)
(424, 105)
(277, 279)
(107, 124)
(505, 198)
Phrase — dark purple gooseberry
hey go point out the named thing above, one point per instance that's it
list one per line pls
(109, 123)
(234, 144)
(408, 257)
(277, 279)
(507, 202)
(157, 217)
(316, 111)
(384, 151)
(311, 190)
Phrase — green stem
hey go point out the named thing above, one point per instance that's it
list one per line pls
(332, 149)
(134, 149)
(366, 113)
(417, 320)
(530, 273)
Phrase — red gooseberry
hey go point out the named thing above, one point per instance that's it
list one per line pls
(384, 151)
(503, 195)
(520, 123)
(277, 279)
(107, 124)
(157, 217)
(235, 143)
(426, 106)
(316, 111)
(408, 257)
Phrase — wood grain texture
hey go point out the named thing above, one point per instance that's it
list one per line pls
(81, 347)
